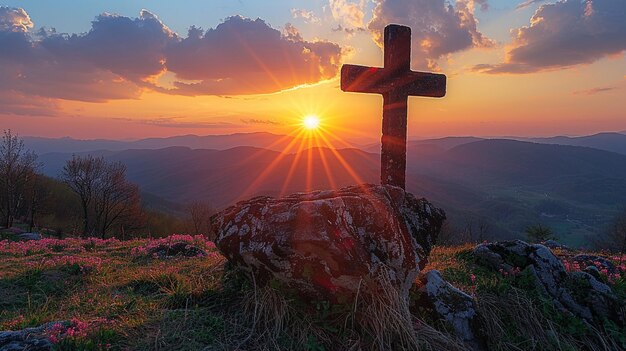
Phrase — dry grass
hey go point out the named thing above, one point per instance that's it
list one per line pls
(184, 304)
(515, 322)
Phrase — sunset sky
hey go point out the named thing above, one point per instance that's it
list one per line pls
(134, 69)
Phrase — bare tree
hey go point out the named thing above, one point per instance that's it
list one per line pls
(117, 200)
(17, 172)
(106, 197)
(82, 175)
(200, 213)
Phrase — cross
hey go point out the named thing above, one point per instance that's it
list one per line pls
(396, 82)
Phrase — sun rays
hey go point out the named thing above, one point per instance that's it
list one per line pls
(311, 158)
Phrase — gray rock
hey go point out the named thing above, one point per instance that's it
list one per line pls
(597, 297)
(508, 255)
(448, 303)
(593, 270)
(29, 339)
(29, 236)
(579, 293)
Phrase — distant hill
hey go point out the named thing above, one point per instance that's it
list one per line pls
(441, 144)
(615, 142)
(182, 174)
(507, 184)
(220, 142)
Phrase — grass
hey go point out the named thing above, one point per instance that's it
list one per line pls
(119, 297)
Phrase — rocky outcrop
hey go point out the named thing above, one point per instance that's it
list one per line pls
(448, 304)
(578, 293)
(30, 339)
(331, 244)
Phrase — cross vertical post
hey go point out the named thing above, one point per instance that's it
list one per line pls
(396, 82)
(397, 44)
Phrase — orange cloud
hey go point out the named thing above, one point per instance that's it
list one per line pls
(14, 20)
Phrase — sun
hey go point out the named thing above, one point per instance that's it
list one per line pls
(311, 122)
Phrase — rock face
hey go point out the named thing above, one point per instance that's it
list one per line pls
(449, 304)
(331, 244)
(579, 293)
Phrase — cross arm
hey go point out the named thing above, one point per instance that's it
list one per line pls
(380, 81)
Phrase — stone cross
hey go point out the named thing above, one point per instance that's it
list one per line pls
(396, 82)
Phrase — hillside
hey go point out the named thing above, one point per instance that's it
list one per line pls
(505, 184)
(127, 295)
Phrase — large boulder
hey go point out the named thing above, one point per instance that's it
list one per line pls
(332, 244)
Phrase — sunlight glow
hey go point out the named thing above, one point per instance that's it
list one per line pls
(311, 122)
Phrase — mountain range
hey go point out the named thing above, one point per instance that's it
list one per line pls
(219, 142)
(504, 185)
(610, 141)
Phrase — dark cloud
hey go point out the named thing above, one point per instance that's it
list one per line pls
(565, 34)
(439, 28)
(349, 31)
(244, 56)
(130, 47)
(97, 66)
(119, 57)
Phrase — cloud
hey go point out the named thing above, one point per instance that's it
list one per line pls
(348, 31)
(594, 91)
(438, 28)
(175, 122)
(244, 56)
(108, 62)
(307, 16)
(14, 20)
(120, 57)
(260, 121)
(350, 13)
(130, 47)
(16, 103)
(484, 5)
(565, 34)
(527, 3)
